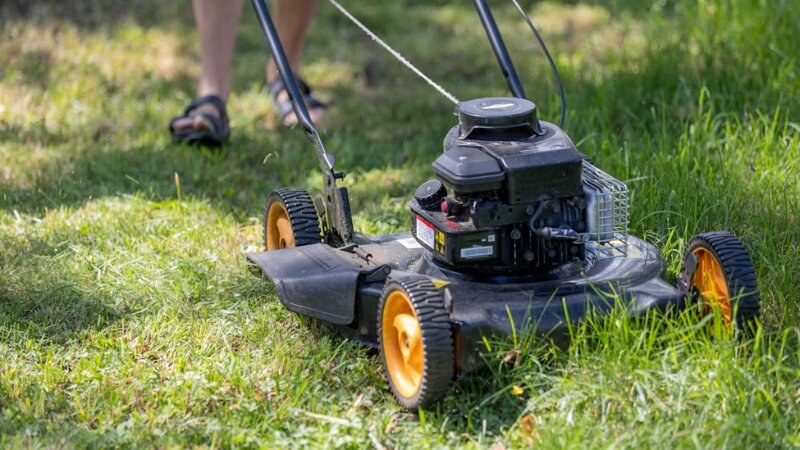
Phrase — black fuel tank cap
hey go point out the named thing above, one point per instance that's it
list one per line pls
(430, 194)
(497, 113)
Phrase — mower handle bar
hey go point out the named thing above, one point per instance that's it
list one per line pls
(284, 68)
(337, 209)
(499, 48)
(337, 218)
(292, 88)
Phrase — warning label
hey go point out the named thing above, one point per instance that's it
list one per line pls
(440, 242)
(425, 231)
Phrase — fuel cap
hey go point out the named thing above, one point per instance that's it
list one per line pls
(430, 194)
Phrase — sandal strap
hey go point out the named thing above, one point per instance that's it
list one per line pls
(219, 131)
(213, 100)
(285, 107)
(276, 86)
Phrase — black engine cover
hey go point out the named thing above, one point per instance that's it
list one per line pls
(516, 200)
(527, 165)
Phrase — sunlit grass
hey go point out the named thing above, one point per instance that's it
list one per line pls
(129, 317)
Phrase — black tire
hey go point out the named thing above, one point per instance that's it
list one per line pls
(426, 304)
(727, 251)
(295, 206)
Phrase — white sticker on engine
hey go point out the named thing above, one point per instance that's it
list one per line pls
(409, 243)
(476, 252)
(425, 231)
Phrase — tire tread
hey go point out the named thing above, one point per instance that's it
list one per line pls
(739, 272)
(437, 340)
(302, 215)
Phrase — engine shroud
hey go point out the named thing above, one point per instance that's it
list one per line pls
(509, 194)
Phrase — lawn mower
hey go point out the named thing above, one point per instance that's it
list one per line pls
(517, 231)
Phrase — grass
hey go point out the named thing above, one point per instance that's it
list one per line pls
(128, 316)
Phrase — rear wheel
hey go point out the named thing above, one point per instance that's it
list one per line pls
(723, 277)
(290, 220)
(416, 341)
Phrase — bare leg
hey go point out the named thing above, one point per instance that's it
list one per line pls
(292, 19)
(217, 23)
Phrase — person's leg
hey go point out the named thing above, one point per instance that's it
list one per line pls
(217, 22)
(292, 20)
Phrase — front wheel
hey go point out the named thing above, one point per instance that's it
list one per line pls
(717, 269)
(416, 341)
(290, 220)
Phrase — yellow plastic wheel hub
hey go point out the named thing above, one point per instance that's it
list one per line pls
(709, 279)
(279, 228)
(402, 343)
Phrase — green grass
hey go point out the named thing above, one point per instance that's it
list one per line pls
(128, 316)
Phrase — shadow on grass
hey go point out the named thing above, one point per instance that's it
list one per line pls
(56, 312)
(40, 299)
(482, 404)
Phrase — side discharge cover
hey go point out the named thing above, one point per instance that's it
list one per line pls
(315, 280)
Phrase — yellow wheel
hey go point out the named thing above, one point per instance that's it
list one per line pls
(290, 220)
(718, 270)
(416, 341)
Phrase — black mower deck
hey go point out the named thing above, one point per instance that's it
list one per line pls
(343, 287)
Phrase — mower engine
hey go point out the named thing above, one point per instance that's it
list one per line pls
(512, 194)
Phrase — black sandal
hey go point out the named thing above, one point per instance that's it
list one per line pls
(213, 134)
(284, 107)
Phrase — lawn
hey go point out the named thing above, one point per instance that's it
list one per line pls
(129, 316)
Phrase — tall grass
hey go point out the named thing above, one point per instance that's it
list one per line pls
(653, 381)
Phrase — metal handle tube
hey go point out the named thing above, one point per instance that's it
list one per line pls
(284, 68)
(337, 207)
(499, 48)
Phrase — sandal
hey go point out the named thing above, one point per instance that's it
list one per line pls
(212, 131)
(284, 107)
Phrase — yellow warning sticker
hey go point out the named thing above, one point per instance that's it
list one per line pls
(439, 241)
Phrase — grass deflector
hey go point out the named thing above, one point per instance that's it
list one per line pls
(517, 231)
